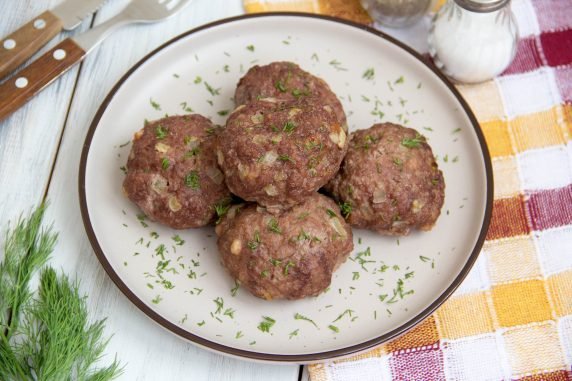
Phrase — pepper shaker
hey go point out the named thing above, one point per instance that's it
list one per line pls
(473, 41)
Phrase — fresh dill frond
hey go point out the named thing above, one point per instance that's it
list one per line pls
(47, 336)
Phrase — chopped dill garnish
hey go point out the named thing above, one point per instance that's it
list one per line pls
(234, 290)
(337, 65)
(298, 316)
(211, 89)
(369, 74)
(154, 104)
(293, 333)
(178, 240)
(192, 180)
(285, 158)
(331, 213)
(221, 208)
(253, 245)
(413, 142)
(289, 126)
(273, 226)
(334, 328)
(266, 323)
(165, 163)
(346, 209)
(280, 86)
(161, 132)
(287, 267)
(346, 312)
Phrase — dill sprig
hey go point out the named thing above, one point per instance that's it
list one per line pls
(45, 335)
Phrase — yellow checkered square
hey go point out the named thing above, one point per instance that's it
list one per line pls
(567, 122)
(521, 303)
(505, 172)
(497, 137)
(534, 348)
(465, 315)
(560, 287)
(256, 6)
(423, 334)
(511, 259)
(484, 99)
(537, 130)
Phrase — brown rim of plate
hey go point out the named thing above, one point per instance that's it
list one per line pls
(252, 355)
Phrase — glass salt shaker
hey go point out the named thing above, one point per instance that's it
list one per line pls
(472, 41)
(396, 13)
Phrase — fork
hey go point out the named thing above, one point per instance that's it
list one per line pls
(16, 91)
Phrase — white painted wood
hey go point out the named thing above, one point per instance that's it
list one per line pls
(29, 138)
(148, 351)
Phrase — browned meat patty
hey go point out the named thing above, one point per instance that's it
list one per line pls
(390, 181)
(278, 153)
(287, 256)
(172, 173)
(286, 80)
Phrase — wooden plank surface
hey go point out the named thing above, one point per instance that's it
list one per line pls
(29, 138)
(150, 352)
(29, 141)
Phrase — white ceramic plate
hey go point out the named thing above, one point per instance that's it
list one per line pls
(191, 294)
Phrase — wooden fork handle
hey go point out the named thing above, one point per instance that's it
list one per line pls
(16, 91)
(24, 42)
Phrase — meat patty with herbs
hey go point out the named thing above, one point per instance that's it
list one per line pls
(172, 174)
(277, 153)
(389, 181)
(286, 80)
(291, 255)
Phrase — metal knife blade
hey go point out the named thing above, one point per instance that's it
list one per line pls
(72, 12)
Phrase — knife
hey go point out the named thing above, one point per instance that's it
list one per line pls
(24, 42)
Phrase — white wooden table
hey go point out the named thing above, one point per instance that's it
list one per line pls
(40, 148)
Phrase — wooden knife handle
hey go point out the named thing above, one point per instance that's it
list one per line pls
(16, 91)
(24, 42)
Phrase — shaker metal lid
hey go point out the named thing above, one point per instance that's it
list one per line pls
(482, 6)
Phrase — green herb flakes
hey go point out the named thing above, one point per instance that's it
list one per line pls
(273, 226)
(154, 104)
(334, 328)
(266, 323)
(161, 132)
(253, 245)
(280, 86)
(369, 74)
(234, 290)
(413, 142)
(289, 126)
(211, 89)
(165, 163)
(178, 240)
(288, 266)
(346, 209)
(192, 180)
(298, 316)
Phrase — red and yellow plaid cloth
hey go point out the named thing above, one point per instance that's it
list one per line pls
(512, 317)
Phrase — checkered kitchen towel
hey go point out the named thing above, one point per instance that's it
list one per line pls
(512, 317)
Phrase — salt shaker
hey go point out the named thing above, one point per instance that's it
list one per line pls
(396, 13)
(472, 41)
